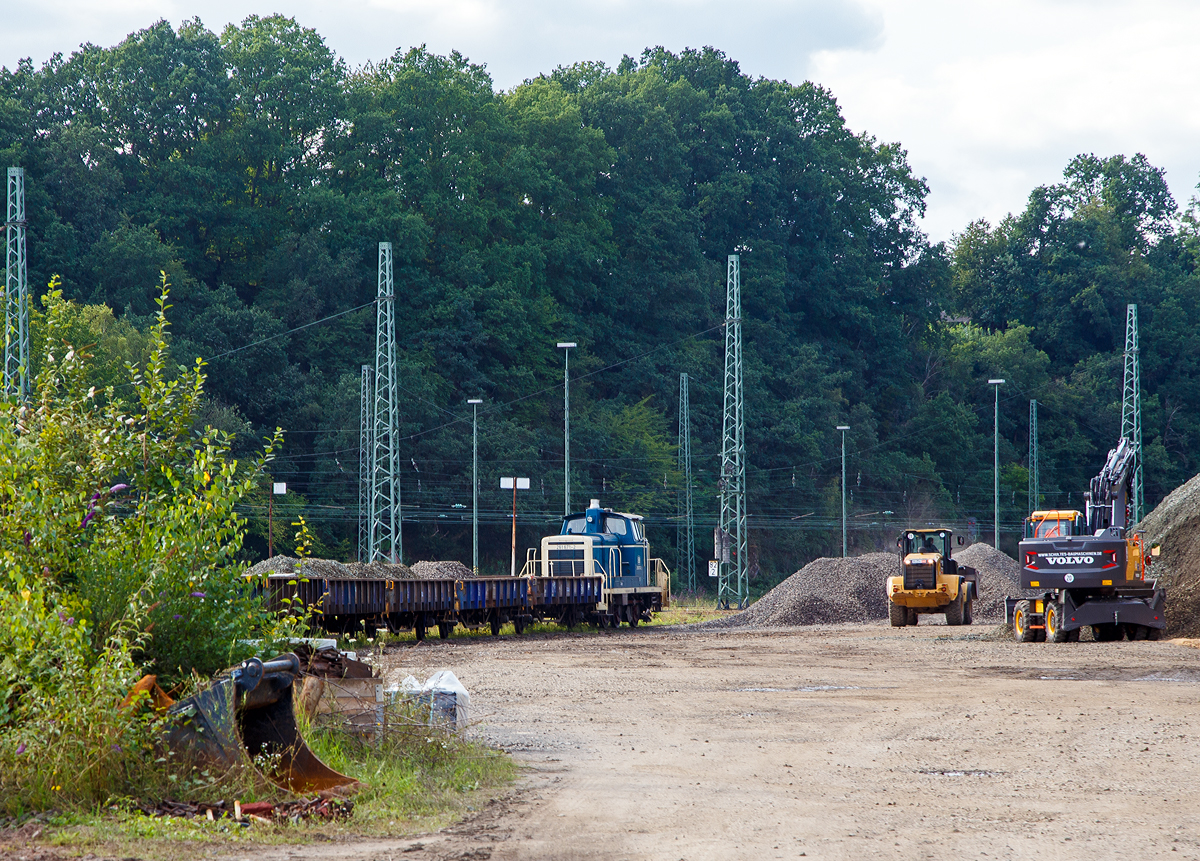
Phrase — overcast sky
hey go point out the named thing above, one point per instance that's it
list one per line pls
(989, 98)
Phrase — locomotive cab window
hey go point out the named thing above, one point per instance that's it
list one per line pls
(575, 526)
(616, 525)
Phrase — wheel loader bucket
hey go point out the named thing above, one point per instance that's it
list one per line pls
(249, 713)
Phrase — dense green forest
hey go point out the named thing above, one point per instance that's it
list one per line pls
(595, 205)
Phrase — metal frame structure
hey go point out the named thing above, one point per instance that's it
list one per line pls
(1035, 493)
(733, 585)
(16, 291)
(566, 347)
(386, 539)
(366, 448)
(996, 461)
(685, 536)
(1131, 411)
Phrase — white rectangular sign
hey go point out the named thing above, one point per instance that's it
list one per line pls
(279, 488)
(714, 568)
(507, 483)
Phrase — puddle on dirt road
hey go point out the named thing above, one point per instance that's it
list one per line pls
(1181, 675)
(806, 689)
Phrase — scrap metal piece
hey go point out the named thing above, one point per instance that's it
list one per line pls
(249, 713)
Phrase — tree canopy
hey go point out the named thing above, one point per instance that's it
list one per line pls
(597, 205)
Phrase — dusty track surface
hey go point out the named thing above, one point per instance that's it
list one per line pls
(845, 742)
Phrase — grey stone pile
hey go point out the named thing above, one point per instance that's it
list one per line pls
(334, 570)
(825, 591)
(1175, 526)
(832, 590)
(999, 575)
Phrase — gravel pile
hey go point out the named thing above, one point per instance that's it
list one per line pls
(1175, 526)
(441, 570)
(999, 575)
(831, 590)
(333, 570)
(825, 591)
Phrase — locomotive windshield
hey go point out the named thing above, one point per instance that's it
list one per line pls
(575, 526)
(616, 525)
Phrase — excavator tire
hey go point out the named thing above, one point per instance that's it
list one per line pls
(1136, 632)
(1022, 633)
(954, 610)
(1054, 631)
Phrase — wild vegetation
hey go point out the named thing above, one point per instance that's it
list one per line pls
(597, 205)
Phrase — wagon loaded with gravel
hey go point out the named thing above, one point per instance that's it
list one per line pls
(347, 598)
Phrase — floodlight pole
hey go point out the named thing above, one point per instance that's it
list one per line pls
(516, 484)
(996, 459)
(843, 429)
(565, 346)
(475, 402)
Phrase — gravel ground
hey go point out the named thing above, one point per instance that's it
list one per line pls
(828, 742)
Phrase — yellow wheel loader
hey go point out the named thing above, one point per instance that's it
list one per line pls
(930, 581)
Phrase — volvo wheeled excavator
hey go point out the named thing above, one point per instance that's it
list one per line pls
(1088, 567)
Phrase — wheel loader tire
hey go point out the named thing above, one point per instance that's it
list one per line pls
(898, 615)
(968, 612)
(954, 610)
(1022, 633)
(1136, 632)
(1054, 631)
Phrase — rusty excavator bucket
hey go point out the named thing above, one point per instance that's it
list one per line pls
(248, 713)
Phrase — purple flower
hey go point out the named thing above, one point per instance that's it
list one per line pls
(20, 748)
(117, 748)
(199, 595)
(117, 487)
(177, 616)
(70, 620)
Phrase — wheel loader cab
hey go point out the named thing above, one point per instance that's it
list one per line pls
(924, 554)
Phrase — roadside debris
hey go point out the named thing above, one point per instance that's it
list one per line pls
(318, 807)
(443, 694)
(246, 714)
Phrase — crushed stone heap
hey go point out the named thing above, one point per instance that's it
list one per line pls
(832, 590)
(1175, 526)
(999, 575)
(333, 570)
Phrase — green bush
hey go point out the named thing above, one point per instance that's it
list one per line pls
(118, 538)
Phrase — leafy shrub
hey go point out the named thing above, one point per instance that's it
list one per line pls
(118, 538)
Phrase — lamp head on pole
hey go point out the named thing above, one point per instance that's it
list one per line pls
(843, 427)
(565, 345)
(475, 400)
(995, 382)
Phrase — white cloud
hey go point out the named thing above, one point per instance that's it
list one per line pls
(993, 98)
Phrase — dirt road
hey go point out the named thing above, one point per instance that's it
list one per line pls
(845, 742)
